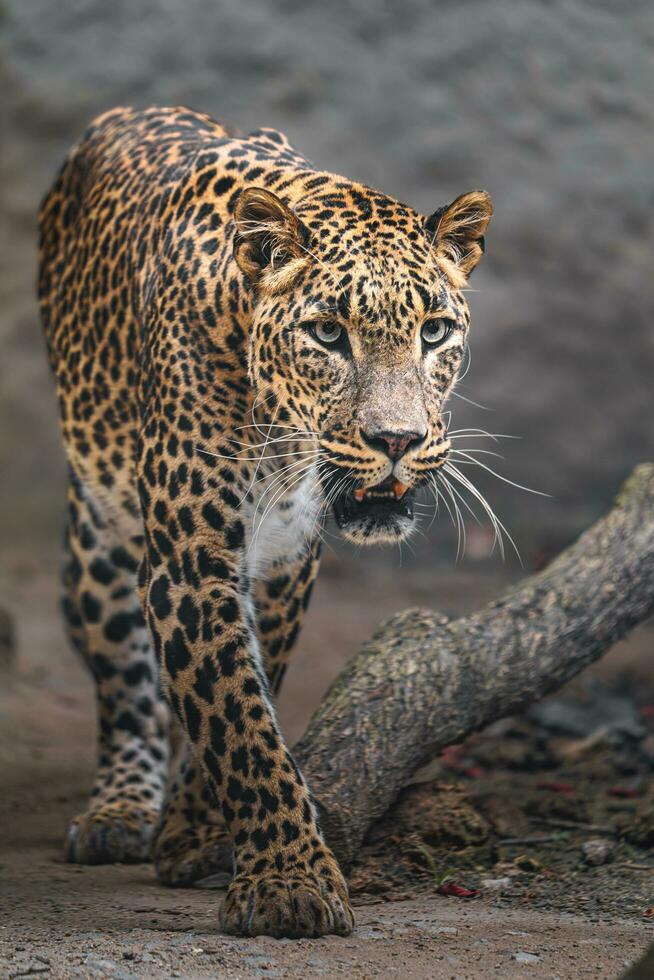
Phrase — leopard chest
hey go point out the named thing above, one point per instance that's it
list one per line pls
(281, 529)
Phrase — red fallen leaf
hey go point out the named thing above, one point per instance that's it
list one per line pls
(557, 787)
(539, 560)
(474, 772)
(458, 891)
(624, 792)
(649, 913)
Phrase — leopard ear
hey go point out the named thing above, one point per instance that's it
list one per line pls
(269, 239)
(457, 232)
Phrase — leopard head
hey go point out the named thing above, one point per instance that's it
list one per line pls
(359, 329)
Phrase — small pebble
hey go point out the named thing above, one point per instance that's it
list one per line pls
(495, 884)
(597, 851)
(258, 960)
(108, 968)
(526, 958)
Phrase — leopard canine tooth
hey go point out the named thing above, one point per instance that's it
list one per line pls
(396, 489)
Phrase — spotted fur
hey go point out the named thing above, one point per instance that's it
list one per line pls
(239, 344)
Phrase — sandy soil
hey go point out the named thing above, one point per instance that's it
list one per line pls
(116, 922)
(67, 921)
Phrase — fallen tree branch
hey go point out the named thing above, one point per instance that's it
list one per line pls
(424, 682)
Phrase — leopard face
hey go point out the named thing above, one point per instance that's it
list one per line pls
(359, 330)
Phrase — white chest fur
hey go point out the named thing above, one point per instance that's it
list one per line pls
(281, 531)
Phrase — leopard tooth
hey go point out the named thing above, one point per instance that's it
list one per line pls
(399, 489)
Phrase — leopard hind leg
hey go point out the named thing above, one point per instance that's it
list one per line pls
(106, 626)
(192, 840)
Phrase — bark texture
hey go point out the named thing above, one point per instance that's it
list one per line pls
(424, 682)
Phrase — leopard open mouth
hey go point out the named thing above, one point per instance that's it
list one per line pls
(384, 510)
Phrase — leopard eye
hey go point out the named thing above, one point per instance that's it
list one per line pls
(435, 332)
(327, 332)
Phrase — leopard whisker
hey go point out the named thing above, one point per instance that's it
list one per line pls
(261, 400)
(286, 438)
(457, 493)
(464, 398)
(278, 425)
(483, 452)
(279, 476)
(277, 492)
(470, 460)
(316, 526)
(287, 485)
(498, 526)
(263, 450)
(471, 433)
(438, 497)
(288, 466)
(466, 351)
(339, 484)
(324, 266)
(460, 523)
(257, 459)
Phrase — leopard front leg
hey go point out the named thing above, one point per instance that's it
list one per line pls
(287, 882)
(282, 599)
(192, 840)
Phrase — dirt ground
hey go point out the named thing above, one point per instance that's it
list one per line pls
(539, 908)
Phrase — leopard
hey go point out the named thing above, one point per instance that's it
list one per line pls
(244, 347)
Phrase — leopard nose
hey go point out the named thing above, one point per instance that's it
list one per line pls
(394, 444)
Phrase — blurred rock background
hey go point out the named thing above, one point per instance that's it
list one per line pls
(548, 105)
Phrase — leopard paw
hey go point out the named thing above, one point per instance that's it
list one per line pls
(111, 833)
(191, 852)
(294, 904)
